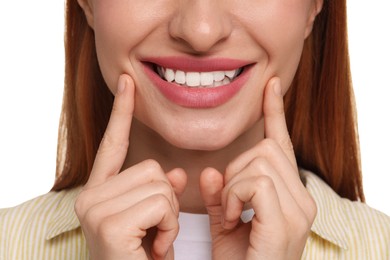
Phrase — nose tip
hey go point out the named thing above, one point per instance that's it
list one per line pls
(200, 26)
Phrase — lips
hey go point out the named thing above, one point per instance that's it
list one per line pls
(197, 83)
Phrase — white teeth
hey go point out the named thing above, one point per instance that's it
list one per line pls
(219, 75)
(192, 79)
(225, 81)
(218, 83)
(197, 79)
(231, 73)
(180, 77)
(169, 75)
(206, 78)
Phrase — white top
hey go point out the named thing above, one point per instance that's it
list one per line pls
(194, 241)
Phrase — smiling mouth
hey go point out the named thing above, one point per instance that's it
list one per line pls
(200, 83)
(193, 79)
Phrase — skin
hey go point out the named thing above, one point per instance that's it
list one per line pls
(146, 170)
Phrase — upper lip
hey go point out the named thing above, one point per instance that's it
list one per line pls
(189, 64)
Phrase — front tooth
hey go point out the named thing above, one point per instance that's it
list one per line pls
(180, 77)
(206, 78)
(219, 75)
(230, 74)
(192, 79)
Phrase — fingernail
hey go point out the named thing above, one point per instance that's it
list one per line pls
(121, 85)
(277, 87)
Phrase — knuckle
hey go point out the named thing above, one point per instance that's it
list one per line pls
(267, 146)
(78, 207)
(164, 188)
(92, 217)
(264, 182)
(152, 166)
(161, 202)
(231, 192)
(311, 208)
(81, 204)
(259, 164)
(107, 229)
(231, 170)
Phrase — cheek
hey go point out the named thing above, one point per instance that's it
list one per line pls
(278, 28)
(119, 27)
(287, 55)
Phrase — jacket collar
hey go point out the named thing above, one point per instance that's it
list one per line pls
(64, 218)
(331, 221)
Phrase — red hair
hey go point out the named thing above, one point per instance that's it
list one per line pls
(320, 106)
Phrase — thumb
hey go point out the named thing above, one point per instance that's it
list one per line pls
(178, 179)
(211, 185)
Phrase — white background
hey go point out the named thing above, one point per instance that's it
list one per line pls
(31, 82)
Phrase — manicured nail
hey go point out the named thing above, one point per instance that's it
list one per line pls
(121, 85)
(277, 87)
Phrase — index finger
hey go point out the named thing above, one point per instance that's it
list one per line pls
(114, 145)
(275, 126)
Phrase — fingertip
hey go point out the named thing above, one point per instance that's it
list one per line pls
(124, 99)
(276, 86)
(211, 185)
(273, 107)
(273, 90)
(211, 177)
(121, 85)
(124, 82)
(159, 255)
(178, 179)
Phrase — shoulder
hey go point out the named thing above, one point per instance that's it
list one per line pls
(42, 203)
(351, 228)
(30, 229)
(368, 228)
(39, 210)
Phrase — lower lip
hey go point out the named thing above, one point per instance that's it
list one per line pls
(197, 97)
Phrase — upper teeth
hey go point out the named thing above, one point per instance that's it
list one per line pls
(196, 79)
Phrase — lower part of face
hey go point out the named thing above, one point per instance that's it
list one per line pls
(174, 50)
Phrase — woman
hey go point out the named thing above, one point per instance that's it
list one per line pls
(198, 126)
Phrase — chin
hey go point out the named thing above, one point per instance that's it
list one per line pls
(202, 146)
(201, 141)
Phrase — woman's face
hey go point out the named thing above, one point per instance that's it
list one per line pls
(200, 67)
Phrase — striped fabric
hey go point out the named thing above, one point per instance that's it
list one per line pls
(47, 228)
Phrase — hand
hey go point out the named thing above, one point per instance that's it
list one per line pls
(266, 178)
(117, 211)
